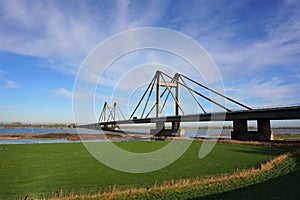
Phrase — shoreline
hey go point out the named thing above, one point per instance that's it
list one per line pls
(69, 136)
(55, 136)
(76, 137)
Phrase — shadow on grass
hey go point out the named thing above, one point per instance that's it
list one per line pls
(282, 187)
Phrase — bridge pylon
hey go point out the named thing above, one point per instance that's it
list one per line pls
(162, 84)
(109, 113)
(166, 84)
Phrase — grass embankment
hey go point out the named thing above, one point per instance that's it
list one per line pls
(281, 174)
(42, 170)
(287, 136)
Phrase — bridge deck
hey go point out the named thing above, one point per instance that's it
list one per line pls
(282, 113)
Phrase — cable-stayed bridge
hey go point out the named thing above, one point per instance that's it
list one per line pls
(165, 87)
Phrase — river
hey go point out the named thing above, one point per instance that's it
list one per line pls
(201, 133)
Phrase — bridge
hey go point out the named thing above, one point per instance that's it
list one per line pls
(167, 86)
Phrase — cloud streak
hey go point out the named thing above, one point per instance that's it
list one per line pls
(257, 49)
(6, 84)
(263, 93)
(64, 93)
(66, 34)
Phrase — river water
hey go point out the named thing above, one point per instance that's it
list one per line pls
(201, 133)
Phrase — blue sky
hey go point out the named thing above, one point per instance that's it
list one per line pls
(255, 45)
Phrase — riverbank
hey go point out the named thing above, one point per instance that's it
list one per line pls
(24, 125)
(105, 136)
(56, 136)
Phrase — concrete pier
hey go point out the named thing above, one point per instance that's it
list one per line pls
(110, 128)
(240, 131)
(167, 132)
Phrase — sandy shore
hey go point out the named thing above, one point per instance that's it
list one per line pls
(68, 136)
(74, 137)
(54, 136)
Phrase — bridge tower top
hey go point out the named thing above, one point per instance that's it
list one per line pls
(161, 83)
(109, 113)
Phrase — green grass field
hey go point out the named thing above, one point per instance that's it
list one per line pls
(41, 170)
(281, 182)
(287, 136)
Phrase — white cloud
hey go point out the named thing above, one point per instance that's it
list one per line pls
(6, 84)
(259, 93)
(248, 61)
(62, 92)
(44, 30)
(244, 44)
(282, 50)
(9, 84)
(66, 34)
(88, 96)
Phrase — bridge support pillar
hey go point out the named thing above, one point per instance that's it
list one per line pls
(240, 125)
(240, 131)
(112, 127)
(175, 125)
(264, 129)
(263, 125)
(160, 125)
(161, 130)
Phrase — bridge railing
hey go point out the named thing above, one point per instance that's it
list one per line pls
(276, 106)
